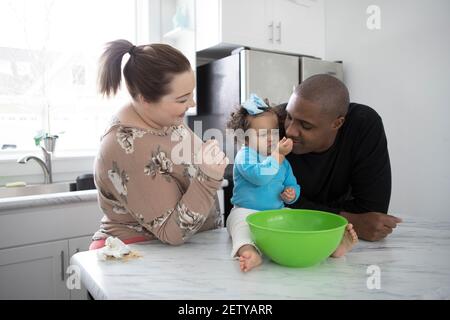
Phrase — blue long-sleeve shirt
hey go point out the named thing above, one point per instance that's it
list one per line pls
(259, 181)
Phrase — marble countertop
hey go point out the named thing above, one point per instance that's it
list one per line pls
(413, 263)
(49, 199)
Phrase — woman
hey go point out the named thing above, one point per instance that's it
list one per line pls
(144, 190)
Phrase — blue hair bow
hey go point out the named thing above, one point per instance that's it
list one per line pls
(255, 105)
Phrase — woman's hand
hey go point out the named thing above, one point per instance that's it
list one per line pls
(213, 161)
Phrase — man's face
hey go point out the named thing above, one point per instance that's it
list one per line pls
(310, 129)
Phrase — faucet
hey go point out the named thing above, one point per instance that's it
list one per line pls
(46, 166)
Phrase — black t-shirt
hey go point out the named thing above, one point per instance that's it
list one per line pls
(354, 175)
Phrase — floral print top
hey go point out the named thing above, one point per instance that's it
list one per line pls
(142, 191)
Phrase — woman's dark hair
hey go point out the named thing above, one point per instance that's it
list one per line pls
(148, 72)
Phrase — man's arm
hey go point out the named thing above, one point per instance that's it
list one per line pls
(371, 171)
(370, 185)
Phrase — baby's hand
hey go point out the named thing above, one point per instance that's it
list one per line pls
(288, 195)
(285, 146)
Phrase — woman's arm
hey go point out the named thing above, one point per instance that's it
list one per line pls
(161, 205)
(170, 200)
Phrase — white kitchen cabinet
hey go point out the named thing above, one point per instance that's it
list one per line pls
(77, 245)
(39, 271)
(34, 271)
(37, 238)
(300, 26)
(291, 26)
(247, 22)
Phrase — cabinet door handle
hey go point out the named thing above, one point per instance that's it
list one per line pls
(279, 32)
(271, 31)
(62, 265)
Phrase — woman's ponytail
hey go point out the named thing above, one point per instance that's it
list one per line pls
(110, 68)
(147, 73)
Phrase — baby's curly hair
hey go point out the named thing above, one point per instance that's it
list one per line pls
(239, 119)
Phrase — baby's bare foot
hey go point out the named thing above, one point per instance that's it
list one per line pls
(348, 241)
(249, 258)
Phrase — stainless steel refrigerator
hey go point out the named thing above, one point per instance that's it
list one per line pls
(225, 83)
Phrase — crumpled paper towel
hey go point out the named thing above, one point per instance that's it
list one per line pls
(114, 247)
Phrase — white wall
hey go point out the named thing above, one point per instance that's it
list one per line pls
(403, 72)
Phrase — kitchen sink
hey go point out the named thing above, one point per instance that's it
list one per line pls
(34, 189)
(82, 182)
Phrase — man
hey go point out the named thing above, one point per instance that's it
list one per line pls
(340, 156)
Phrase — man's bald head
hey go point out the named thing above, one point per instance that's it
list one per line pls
(327, 91)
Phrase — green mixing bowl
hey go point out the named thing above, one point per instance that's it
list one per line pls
(296, 238)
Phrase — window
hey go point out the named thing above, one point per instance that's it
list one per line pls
(49, 54)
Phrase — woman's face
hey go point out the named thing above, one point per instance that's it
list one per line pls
(171, 108)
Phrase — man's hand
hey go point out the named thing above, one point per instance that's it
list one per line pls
(372, 226)
(288, 195)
